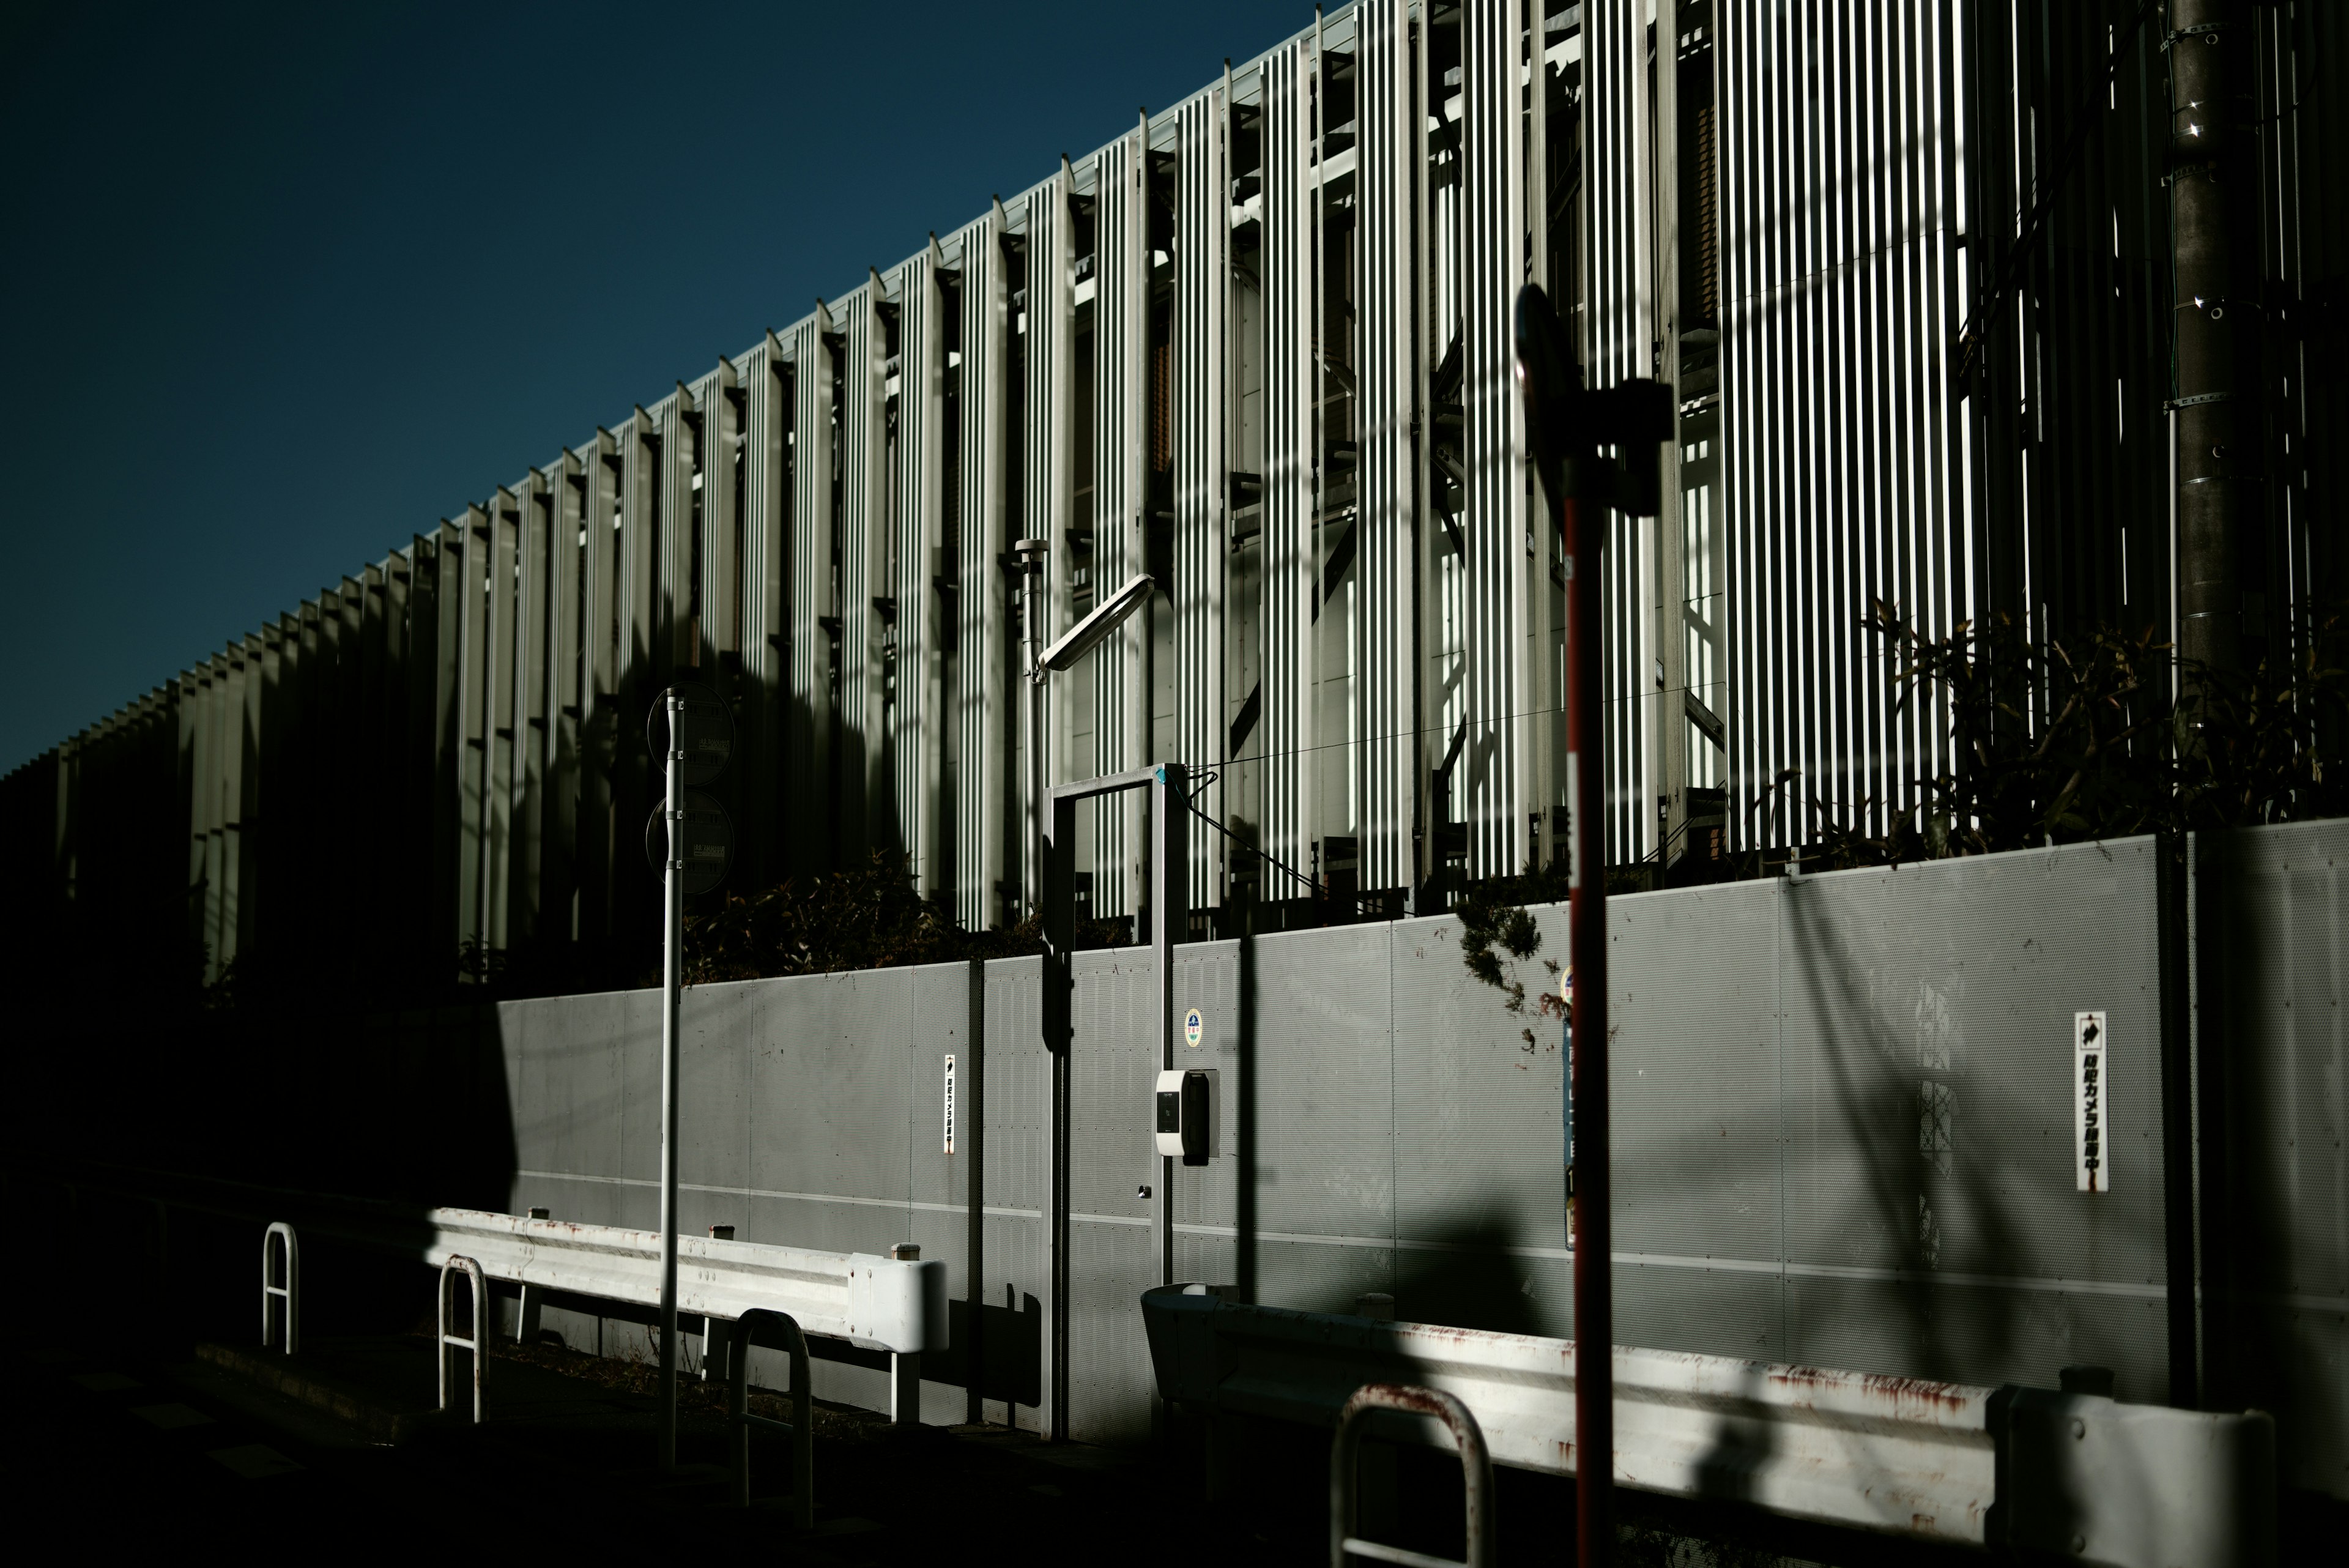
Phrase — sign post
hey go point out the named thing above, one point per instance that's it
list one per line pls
(1569, 432)
(691, 842)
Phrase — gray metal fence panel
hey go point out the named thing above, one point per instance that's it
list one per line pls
(1018, 1099)
(1697, 1137)
(937, 1217)
(1932, 1220)
(1113, 1065)
(1206, 1198)
(2279, 942)
(1315, 1102)
(1844, 1112)
(587, 1104)
(714, 1079)
(828, 1120)
(1479, 1142)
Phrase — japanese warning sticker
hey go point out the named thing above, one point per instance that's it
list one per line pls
(2092, 1088)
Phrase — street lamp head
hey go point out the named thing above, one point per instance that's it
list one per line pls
(1031, 554)
(1088, 633)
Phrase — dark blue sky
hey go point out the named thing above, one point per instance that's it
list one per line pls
(285, 284)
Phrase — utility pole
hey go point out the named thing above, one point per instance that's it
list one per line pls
(2217, 431)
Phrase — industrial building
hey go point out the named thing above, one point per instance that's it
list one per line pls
(1911, 268)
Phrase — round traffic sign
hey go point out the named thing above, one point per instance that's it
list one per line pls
(705, 731)
(709, 842)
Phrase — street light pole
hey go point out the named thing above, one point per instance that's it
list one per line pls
(672, 975)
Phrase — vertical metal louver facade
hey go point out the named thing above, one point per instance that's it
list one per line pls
(1260, 348)
(986, 717)
(1121, 390)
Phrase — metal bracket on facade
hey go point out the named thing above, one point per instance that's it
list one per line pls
(2208, 31)
(2176, 403)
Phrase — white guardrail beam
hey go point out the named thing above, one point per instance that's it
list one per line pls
(881, 1304)
(2086, 1478)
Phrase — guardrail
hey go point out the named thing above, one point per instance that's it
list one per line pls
(898, 1305)
(2075, 1474)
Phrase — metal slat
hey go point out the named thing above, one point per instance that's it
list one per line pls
(984, 717)
(1495, 519)
(1290, 580)
(470, 563)
(529, 717)
(717, 455)
(810, 792)
(764, 378)
(677, 647)
(1201, 471)
(635, 672)
(566, 604)
(599, 725)
(1048, 482)
(502, 622)
(1119, 668)
(916, 738)
(1827, 489)
(864, 804)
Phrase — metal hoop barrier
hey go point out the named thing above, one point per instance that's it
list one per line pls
(1475, 1466)
(478, 1343)
(288, 1293)
(800, 1426)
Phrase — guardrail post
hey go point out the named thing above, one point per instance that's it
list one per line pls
(289, 1293)
(1476, 1469)
(905, 1367)
(713, 1330)
(534, 1297)
(801, 1426)
(478, 1343)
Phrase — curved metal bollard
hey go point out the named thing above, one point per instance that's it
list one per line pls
(801, 1427)
(478, 1343)
(289, 1293)
(1475, 1466)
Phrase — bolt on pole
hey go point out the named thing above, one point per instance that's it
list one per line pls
(672, 972)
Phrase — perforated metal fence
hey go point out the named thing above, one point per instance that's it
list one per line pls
(1844, 1131)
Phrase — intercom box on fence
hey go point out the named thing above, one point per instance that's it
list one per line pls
(1188, 1112)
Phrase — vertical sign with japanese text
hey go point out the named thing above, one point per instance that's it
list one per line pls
(2092, 1089)
(950, 1101)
